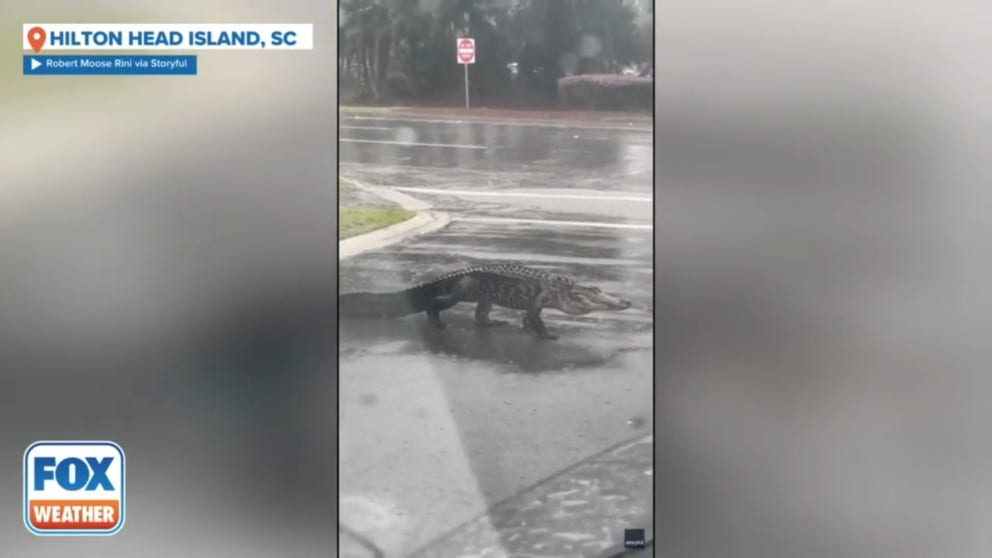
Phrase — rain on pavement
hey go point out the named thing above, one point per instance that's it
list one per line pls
(437, 427)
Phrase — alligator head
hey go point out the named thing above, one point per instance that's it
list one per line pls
(576, 299)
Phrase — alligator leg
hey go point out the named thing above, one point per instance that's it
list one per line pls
(434, 316)
(537, 324)
(482, 313)
(533, 321)
(438, 305)
(461, 291)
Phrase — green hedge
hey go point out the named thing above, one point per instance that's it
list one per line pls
(606, 92)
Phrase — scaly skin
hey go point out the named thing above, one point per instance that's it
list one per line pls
(507, 285)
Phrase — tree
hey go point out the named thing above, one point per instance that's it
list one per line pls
(397, 49)
(364, 40)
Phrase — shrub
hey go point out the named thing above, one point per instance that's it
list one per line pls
(606, 92)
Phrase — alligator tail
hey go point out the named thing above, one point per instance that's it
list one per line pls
(382, 305)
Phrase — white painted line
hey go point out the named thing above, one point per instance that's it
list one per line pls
(645, 129)
(522, 194)
(410, 143)
(386, 128)
(553, 222)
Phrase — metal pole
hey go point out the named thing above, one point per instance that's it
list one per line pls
(466, 85)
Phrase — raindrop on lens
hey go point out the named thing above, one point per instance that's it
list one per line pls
(589, 46)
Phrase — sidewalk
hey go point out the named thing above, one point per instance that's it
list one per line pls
(580, 511)
(353, 196)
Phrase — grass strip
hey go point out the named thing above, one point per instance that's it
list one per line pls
(353, 221)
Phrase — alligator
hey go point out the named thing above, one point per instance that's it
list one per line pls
(510, 286)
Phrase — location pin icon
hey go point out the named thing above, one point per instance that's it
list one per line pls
(36, 38)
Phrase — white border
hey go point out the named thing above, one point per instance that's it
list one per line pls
(69, 532)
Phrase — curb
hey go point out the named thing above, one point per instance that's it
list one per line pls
(413, 116)
(425, 221)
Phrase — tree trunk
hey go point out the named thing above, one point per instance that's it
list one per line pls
(376, 90)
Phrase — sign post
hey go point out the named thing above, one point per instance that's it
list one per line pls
(465, 49)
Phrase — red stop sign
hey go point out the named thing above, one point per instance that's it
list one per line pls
(465, 48)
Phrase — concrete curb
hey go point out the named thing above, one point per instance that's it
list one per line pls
(391, 114)
(425, 221)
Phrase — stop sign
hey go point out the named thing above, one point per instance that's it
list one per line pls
(466, 51)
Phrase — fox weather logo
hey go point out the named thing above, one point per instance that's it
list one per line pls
(74, 488)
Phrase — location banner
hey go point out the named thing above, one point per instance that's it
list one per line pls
(178, 36)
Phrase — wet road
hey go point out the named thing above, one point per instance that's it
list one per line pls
(437, 426)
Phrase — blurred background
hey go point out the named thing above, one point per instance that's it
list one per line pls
(822, 307)
(168, 283)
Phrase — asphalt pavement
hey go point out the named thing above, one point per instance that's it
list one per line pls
(437, 427)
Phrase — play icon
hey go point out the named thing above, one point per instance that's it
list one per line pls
(35, 64)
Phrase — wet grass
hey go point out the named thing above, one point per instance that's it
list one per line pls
(353, 221)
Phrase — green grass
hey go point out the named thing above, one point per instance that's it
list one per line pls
(353, 221)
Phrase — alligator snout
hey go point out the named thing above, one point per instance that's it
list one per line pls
(617, 303)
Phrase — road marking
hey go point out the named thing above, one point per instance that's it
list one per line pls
(616, 127)
(553, 222)
(411, 143)
(588, 138)
(522, 194)
(386, 128)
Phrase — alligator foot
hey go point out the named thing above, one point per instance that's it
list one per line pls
(536, 324)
